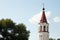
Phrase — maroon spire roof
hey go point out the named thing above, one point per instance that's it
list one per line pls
(43, 17)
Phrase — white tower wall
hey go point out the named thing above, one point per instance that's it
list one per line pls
(43, 36)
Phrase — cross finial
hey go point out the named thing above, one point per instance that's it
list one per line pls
(43, 7)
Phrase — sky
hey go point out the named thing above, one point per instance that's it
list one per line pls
(29, 13)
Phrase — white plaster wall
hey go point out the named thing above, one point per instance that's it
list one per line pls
(43, 36)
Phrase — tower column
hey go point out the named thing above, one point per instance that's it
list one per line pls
(43, 28)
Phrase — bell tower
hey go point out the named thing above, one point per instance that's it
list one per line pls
(43, 27)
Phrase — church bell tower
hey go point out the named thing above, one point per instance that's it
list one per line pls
(43, 27)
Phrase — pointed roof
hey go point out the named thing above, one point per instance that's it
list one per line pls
(43, 17)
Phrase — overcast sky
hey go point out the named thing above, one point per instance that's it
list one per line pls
(29, 13)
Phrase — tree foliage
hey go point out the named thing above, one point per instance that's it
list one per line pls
(52, 39)
(58, 39)
(10, 31)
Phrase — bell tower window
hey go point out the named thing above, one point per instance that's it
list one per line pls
(44, 28)
(40, 28)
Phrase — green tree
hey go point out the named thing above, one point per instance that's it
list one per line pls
(58, 39)
(50, 38)
(10, 31)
